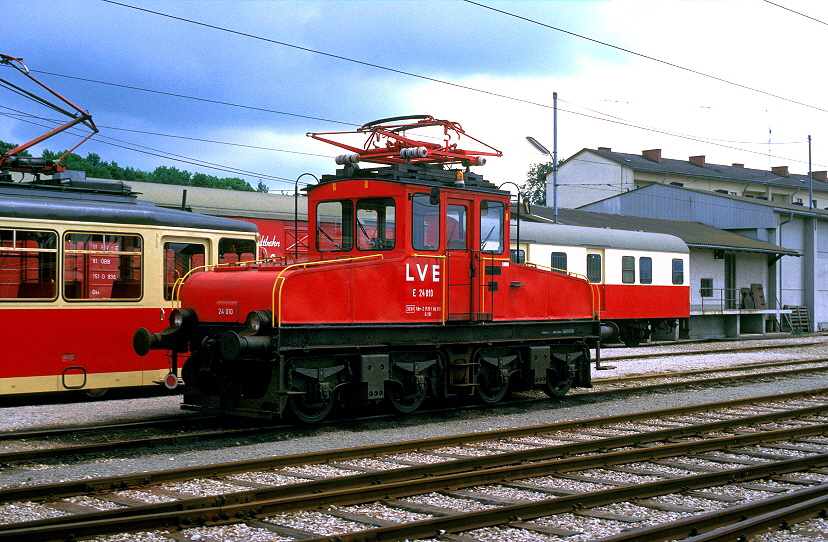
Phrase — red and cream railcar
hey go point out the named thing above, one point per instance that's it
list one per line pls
(642, 277)
(82, 264)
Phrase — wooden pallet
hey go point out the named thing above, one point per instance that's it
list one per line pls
(799, 321)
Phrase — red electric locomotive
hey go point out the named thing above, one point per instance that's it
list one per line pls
(408, 291)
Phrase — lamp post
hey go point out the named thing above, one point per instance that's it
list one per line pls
(296, 212)
(554, 154)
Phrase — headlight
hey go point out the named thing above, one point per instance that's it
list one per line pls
(182, 317)
(259, 321)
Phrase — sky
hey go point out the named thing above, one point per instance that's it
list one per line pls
(230, 88)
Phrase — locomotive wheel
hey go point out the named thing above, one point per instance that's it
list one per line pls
(557, 384)
(404, 399)
(488, 391)
(310, 410)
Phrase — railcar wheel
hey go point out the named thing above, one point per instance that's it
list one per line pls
(490, 389)
(407, 398)
(310, 410)
(557, 384)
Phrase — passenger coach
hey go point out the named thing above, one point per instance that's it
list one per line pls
(82, 264)
(643, 278)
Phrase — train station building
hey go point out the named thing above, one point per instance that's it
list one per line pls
(778, 219)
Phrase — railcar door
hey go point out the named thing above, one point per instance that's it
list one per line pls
(460, 259)
(596, 272)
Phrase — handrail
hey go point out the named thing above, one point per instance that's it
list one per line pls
(276, 315)
(594, 286)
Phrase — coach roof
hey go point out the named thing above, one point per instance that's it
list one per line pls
(560, 234)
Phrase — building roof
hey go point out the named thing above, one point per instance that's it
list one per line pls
(695, 235)
(220, 202)
(668, 166)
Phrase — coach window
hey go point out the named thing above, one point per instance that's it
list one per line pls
(491, 226)
(232, 250)
(334, 226)
(180, 259)
(376, 224)
(28, 261)
(559, 262)
(628, 269)
(101, 266)
(594, 267)
(425, 222)
(517, 256)
(645, 270)
(678, 271)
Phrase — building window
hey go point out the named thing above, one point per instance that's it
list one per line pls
(678, 271)
(594, 267)
(707, 287)
(645, 270)
(628, 269)
(559, 262)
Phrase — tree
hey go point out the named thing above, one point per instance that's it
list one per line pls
(262, 187)
(5, 147)
(534, 189)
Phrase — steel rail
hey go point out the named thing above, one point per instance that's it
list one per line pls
(176, 440)
(110, 522)
(73, 488)
(718, 351)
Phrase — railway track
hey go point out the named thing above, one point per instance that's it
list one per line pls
(33, 447)
(674, 471)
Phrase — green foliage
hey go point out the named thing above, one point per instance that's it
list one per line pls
(534, 189)
(98, 168)
(262, 187)
(5, 147)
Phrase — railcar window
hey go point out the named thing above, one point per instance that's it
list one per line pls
(594, 267)
(678, 271)
(28, 264)
(456, 227)
(376, 224)
(628, 269)
(517, 256)
(491, 226)
(559, 262)
(425, 223)
(334, 226)
(645, 270)
(101, 266)
(180, 259)
(236, 250)
(707, 287)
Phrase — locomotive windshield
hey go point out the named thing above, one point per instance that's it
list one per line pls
(376, 224)
(491, 226)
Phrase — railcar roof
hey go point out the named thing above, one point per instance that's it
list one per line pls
(52, 204)
(560, 234)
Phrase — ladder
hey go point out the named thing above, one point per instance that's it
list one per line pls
(799, 320)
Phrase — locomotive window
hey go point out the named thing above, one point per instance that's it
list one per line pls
(678, 271)
(334, 226)
(180, 259)
(101, 266)
(28, 263)
(645, 270)
(559, 262)
(456, 227)
(491, 226)
(594, 267)
(628, 269)
(376, 225)
(425, 223)
(236, 250)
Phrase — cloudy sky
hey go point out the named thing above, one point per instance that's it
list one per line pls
(226, 86)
